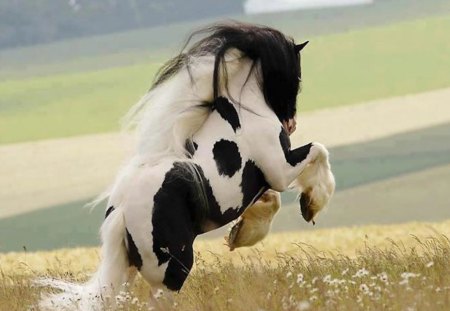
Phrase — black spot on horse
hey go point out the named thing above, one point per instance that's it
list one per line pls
(183, 204)
(253, 183)
(134, 258)
(109, 211)
(191, 146)
(177, 215)
(285, 142)
(227, 157)
(293, 157)
(227, 111)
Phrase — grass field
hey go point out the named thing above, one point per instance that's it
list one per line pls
(84, 86)
(376, 267)
(137, 46)
(391, 171)
(402, 58)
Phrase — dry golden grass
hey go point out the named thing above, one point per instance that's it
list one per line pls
(399, 267)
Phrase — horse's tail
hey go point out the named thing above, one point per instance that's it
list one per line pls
(99, 292)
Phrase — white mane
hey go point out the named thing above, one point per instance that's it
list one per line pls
(172, 112)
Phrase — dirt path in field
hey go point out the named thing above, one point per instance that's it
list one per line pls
(41, 174)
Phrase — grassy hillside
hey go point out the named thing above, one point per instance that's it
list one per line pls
(339, 69)
(369, 166)
(70, 104)
(374, 268)
(137, 46)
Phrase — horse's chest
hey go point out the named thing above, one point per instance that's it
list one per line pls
(234, 177)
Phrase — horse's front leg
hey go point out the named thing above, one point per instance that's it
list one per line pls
(315, 182)
(306, 168)
(254, 224)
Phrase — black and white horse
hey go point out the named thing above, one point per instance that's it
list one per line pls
(213, 136)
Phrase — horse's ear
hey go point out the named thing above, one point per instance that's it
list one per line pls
(300, 46)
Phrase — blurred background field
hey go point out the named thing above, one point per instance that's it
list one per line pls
(354, 66)
(376, 90)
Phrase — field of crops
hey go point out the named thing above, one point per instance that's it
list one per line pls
(395, 267)
(408, 57)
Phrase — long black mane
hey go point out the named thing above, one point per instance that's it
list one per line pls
(279, 73)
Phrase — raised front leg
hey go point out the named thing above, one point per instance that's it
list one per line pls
(279, 163)
(306, 168)
(315, 184)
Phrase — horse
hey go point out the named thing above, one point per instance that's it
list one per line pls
(212, 138)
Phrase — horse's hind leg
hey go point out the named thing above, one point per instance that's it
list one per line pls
(254, 224)
(176, 272)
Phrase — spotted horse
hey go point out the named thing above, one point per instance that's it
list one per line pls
(212, 138)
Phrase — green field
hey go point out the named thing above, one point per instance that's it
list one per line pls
(347, 68)
(137, 46)
(357, 165)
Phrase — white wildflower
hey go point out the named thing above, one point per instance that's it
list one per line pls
(407, 275)
(364, 288)
(300, 278)
(336, 282)
(383, 277)
(159, 293)
(361, 273)
(303, 305)
(135, 301)
(329, 293)
(327, 279)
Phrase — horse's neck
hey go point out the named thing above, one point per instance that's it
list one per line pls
(172, 112)
(244, 89)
